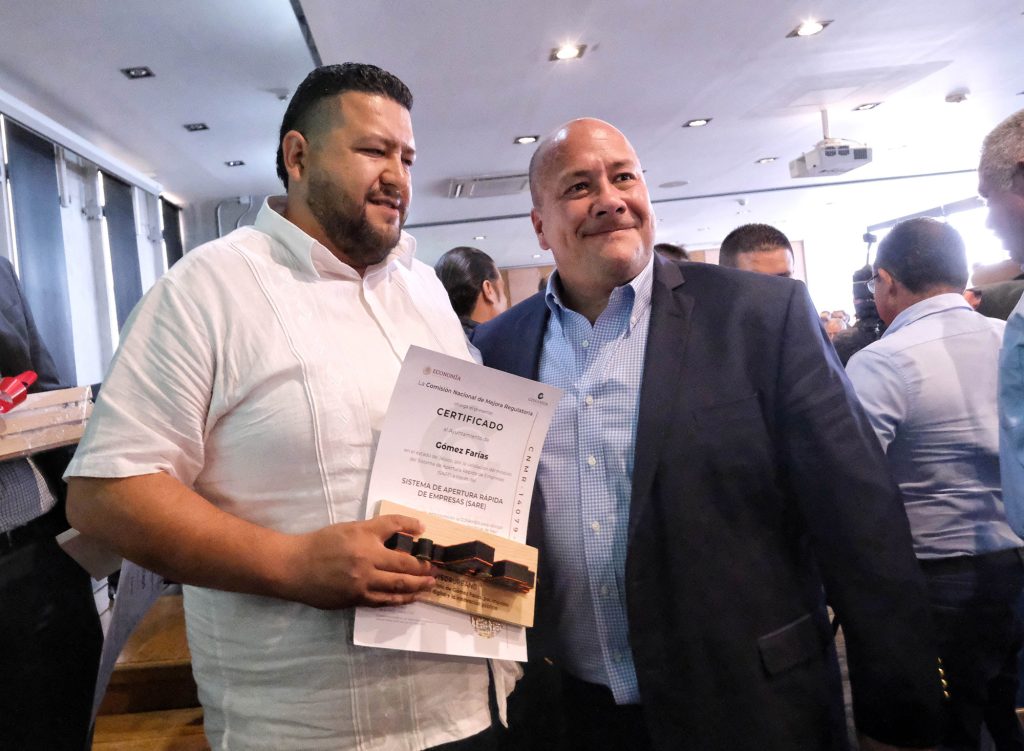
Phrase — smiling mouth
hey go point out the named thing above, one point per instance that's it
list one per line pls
(609, 231)
(387, 203)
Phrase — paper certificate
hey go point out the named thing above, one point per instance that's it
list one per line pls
(460, 441)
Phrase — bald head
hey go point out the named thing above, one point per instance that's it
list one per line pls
(543, 156)
(591, 209)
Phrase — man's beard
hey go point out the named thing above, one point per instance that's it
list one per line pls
(345, 223)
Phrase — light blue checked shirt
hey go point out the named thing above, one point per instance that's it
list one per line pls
(586, 473)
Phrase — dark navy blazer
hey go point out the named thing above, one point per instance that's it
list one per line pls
(757, 481)
(21, 349)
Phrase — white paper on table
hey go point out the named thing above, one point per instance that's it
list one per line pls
(460, 441)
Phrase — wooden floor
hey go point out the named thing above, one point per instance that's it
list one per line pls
(166, 730)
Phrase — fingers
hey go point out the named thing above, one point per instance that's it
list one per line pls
(381, 600)
(388, 524)
(395, 589)
(402, 563)
(391, 560)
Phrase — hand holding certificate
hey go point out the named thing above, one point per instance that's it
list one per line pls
(460, 442)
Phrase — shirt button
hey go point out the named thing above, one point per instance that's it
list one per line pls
(595, 526)
(584, 344)
(591, 460)
(604, 590)
(588, 399)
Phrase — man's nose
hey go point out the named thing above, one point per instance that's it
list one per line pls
(608, 200)
(396, 174)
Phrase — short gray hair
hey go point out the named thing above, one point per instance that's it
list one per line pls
(1001, 152)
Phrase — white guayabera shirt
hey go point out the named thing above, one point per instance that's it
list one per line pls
(258, 371)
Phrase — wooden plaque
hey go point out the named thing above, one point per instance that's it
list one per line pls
(470, 594)
(45, 420)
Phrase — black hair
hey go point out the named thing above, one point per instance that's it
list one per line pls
(463, 271)
(751, 238)
(923, 254)
(329, 81)
(675, 252)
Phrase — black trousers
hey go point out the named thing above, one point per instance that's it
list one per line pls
(974, 600)
(50, 641)
(594, 721)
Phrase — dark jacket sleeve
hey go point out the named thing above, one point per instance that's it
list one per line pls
(21, 349)
(860, 537)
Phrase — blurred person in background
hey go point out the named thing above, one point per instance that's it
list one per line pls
(474, 285)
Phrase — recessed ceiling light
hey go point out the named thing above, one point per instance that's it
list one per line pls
(536, 255)
(700, 122)
(479, 237)
(808, 28)
(567, 52)
(767, 160)
(866, 106)
(195, 127)
(525, 139)
(674, 184)
(139, 71)
(234, 163)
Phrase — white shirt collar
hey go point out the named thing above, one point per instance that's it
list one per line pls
(312, 256)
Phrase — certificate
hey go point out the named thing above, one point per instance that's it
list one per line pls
(460, 441)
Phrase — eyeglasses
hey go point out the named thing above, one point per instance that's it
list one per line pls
(870, 284)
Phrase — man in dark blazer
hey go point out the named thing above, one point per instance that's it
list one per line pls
(751, 480)
(50, 635)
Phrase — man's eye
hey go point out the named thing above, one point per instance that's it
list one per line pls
(373, 152)
(576, 188)
(625, 177)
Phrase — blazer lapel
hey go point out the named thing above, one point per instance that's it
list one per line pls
(529, 333)
(667, 338)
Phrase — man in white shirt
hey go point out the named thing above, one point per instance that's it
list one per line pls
(231, 445)
(929, 388)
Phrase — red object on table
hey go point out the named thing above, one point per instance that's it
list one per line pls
(14, 389)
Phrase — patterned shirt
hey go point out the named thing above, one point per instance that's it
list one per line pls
(586, 473)
(24, 494)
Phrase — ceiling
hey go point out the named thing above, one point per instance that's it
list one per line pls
(481, 76)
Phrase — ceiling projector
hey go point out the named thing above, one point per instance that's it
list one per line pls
(830, 156)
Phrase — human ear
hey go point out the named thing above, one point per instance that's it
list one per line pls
(295, 151)
(489, 292)
(1018, 179)
(538, 228)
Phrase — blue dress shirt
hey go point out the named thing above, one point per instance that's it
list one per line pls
(929, 388)
(1011, 417)
(585, 475)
